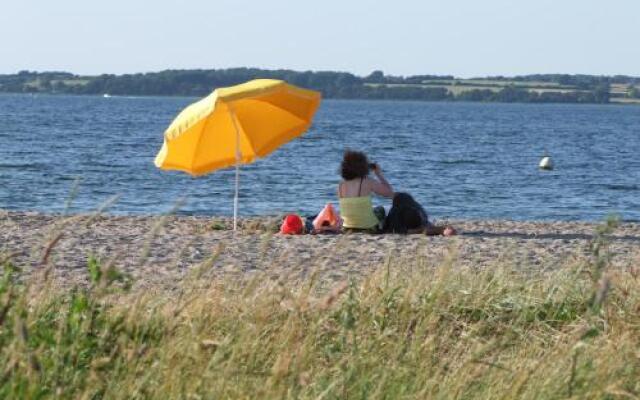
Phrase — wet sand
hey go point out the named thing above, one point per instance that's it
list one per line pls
(161, 251)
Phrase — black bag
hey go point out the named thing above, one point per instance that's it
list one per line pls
(405, 214)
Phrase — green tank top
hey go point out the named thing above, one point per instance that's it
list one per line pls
(357, 212)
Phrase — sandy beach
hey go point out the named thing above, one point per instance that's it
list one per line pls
(161, 251)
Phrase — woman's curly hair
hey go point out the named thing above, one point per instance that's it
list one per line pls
(354, 165)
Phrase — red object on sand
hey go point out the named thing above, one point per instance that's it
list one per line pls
(292, 225)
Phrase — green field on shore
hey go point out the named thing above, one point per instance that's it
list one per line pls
(619, 93)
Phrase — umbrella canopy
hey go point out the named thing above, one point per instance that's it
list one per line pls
(236, 125)
(252, 118)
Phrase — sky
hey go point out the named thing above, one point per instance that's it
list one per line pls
(465, 38)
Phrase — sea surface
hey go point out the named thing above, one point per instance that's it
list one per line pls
(460, 160)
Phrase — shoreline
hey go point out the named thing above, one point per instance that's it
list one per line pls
(161, 251)
(615, 102)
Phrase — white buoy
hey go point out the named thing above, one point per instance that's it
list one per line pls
(546, 163)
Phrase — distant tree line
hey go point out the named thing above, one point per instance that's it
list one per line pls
(342, 85)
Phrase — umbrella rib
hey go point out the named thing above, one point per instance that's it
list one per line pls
(236, 120)
(269, 146)
(301, 121)
(204, 128)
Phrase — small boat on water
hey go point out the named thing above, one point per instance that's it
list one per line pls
(106, 95)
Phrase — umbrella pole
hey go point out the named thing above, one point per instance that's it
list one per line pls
(238, 155)
(235, 199)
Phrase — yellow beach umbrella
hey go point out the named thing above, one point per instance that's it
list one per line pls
(236, 125)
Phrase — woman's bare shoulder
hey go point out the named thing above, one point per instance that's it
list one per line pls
(369, 181)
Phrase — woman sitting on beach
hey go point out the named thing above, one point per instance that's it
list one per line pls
(354, 192)
(356, 209)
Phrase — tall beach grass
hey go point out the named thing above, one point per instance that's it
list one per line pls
(407, 331)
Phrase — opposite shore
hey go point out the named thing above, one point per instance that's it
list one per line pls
(536, 88)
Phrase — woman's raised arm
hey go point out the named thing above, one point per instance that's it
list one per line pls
(380, 186)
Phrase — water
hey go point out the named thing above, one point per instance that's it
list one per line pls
(461, 160)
